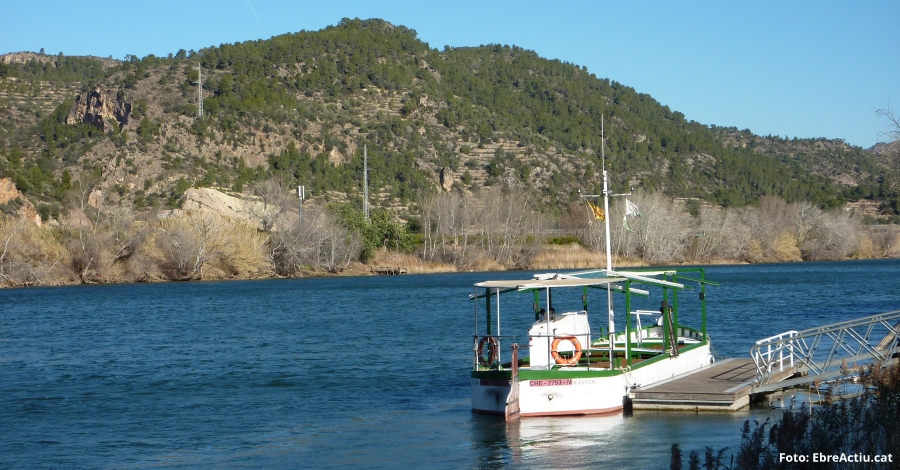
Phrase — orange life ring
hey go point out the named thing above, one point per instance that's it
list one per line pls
(493, 350)
(561, 360)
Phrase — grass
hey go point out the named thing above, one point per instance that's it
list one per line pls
(410, 262)
(575, 256)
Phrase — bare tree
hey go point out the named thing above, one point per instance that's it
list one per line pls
(88, 250)
(717, 234)
(771, 230)
(102, 234)
(506, 225)
(9, 231)
(321, 244)
(29, 255)
(658, 236)
(836, 236)
(335, 246)
(885, 240)
(189, 244)
(891, 158)
(82, 188)
(893, 130)
(448, 218)
(426, 201)
(274, 200)
(500, 224)
(576, 222)
(440, 224)
(805, 216)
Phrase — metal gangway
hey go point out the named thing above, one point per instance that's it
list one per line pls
(826, 352)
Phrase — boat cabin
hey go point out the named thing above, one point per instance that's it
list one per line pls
(565, 340)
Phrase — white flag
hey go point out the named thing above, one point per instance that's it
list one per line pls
(630, 209)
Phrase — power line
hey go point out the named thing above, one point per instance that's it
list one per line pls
(366, 181)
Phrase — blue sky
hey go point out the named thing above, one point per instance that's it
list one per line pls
(795, 68)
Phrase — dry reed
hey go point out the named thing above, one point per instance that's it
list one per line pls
(575, 256)
(412, 263)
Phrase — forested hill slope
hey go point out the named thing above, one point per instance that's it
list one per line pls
(302, 106)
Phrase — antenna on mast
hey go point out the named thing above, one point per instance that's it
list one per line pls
(366, 181)
(199, 83)
(609, 300)
(604, 215)
(605, 196)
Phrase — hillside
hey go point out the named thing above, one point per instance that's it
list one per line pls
(301, 107)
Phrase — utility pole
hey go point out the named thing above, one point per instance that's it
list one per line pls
(366, 181)
(301, 191)
(199, 90)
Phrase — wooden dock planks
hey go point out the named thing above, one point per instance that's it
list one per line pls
(388, 270)
(723, 386)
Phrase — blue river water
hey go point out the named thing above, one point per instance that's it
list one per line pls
(341, 372)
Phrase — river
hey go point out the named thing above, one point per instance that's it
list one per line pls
(343, 372)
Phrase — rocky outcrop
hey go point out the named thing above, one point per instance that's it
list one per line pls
(25, 57)
(98, 106)
(446, 179)
(883, 149)
(211, 200)
(336, 157)
(12, 200)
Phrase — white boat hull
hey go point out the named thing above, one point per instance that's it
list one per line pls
(567, 395)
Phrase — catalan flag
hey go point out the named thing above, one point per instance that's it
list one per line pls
(598, 212)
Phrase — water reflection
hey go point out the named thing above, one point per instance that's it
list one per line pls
(642, 440)
(490, 438)
(564, 442)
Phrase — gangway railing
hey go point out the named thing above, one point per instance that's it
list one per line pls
(772, 353)
(827, 352)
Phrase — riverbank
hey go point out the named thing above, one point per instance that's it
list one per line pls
(550, 257)
(205, 246)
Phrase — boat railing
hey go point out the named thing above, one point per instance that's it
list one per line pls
(484, 350)
(637, 316)
(488, 351)
(774, 351)
(485, 347)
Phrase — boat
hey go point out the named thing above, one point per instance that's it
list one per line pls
(563, 366)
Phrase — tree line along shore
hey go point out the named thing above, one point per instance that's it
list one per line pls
(473, 156)
(97, 240)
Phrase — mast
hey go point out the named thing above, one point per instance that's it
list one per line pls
(609, 302)
(605, 197)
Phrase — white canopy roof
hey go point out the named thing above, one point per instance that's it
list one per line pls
(545, 283)
(640, 276)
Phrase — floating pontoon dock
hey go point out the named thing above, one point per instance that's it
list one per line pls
(721, 386)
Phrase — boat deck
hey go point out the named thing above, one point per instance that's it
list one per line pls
(722, 386)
